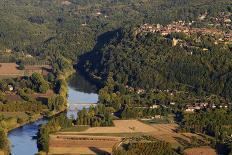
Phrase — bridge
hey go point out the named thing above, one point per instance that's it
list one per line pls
(74, 106)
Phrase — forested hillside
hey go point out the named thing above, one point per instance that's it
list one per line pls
(150, 61)
(44, 27)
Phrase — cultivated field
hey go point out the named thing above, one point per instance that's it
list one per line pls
(12, 96)
(75, 144)
(78, 151)
(10, 69)
(81, 141)
(200, 151)
(122, 126)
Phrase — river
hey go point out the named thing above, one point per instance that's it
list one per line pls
(79, 91)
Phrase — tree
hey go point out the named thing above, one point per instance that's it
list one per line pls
(39, 84)
(56, 102)
(43, 138)
(3, 85)
(21, 66)
(4, 143)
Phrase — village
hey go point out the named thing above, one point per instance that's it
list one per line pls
(189, 29)
(189, 107)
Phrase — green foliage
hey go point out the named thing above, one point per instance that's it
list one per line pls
(4, 143)
(56, 103)
(60, 64)
(145, 146)
(44, 27)
(149, 61)
(3, 85)
(22, 107)
(21, 66)
(2, 96)
(43, 138)
(54, 125)
(39, 83)
(216, 123)
(24, 94)
(98, 116)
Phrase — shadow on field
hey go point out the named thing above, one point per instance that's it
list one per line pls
(99, 151)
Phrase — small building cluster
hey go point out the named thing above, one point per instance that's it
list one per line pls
(203, 105)
(182, 26)
(137, 90)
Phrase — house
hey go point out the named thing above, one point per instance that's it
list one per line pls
(204, 104)
(98, 13)
(174, 41)
(227, 20)
(66, 3)
(172, 103)
(214, 106)
(158, 116)
(205, 49)
(84, 24)
(154, 106)
(140, 91)
(29, 56)
(10, 88)
(190, 109)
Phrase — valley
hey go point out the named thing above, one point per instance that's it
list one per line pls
(121, 77)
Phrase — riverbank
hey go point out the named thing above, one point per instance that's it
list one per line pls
(80, 90)
(35, 117)
(23, 133)
(90, 77)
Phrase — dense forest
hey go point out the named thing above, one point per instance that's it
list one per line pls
(150, 61)
(44, 27)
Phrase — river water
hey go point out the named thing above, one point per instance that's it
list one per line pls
(80, 91)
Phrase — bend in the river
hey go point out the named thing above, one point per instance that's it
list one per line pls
(80, 91)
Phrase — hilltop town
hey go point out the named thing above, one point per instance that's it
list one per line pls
(204, 26)
(186, 28)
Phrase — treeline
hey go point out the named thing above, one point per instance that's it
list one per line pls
(98, 116)
(22, 107)
(4, 142)
(54, 125)
(216, 123)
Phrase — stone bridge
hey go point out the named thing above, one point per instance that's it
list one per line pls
(74, 106)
